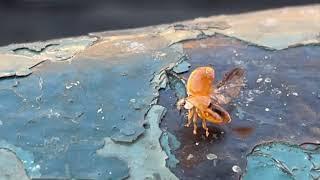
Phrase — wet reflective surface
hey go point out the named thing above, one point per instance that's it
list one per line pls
(280, 102)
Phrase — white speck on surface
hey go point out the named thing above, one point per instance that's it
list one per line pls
(259, 80)
(110, 172)
(197, 143)
(295, 94)
(68, 86)
(133, 100)
(102, 117)
(211, 156)
(190, 156)
(158, 55)
(40, 83)
(35, 168)
(52, 113)
(267, 109)
(236, 169)
(276, 91)
(267, 80)
(257, 91)
(99, 110)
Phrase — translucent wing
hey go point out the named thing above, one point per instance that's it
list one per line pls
(229, 87)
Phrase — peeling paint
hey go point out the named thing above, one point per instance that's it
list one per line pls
(273, 29)
(11, 167)
(27, 159)
(170, 143)
(182, 66)
(282, 161)
(54, 50)
(69, 113)
(144, 157)
(12, 65)
(177, 84)
(105, 94)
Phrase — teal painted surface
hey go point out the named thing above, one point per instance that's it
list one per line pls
(283, 161)
(62, 112)
(26, 158)
(170, 143)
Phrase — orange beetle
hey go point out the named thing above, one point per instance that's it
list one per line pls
(204, 99)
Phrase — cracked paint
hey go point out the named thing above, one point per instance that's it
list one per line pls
(282, 161)
(145, 157)
(12, 65)
(54, 50)
(170, 143)
(75, 110)
(182, 66)
(72, 107)
(11, 167)
(275, 29)
(25, 157)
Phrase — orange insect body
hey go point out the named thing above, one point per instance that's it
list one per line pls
(201, 91)
(200, 82)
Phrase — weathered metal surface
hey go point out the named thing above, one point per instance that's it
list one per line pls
(62, 112)
(145, 157)
(11, 168)
(283, 161)
(276, 28)
(280, 102)
(91, 118)
(13, 65)
(54, 50)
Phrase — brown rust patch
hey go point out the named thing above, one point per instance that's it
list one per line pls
(243, 132)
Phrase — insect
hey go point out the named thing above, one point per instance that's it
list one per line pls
(204, 99)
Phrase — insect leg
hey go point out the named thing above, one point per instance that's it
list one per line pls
(195, 118)
(204, 125)
(190, 115)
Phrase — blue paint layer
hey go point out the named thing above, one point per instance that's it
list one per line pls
(62, 112)
(282, 161)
